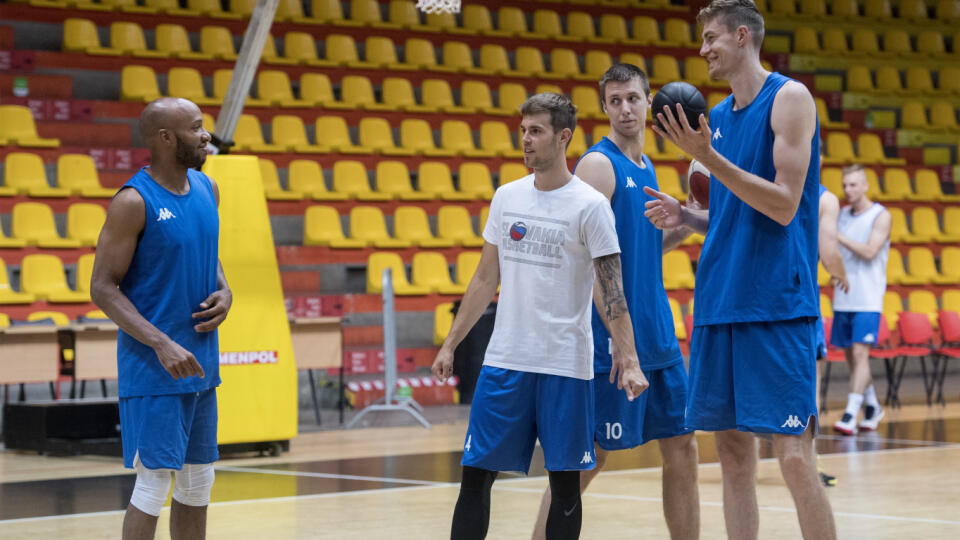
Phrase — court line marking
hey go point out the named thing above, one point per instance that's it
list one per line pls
(499, 485)
(309, 474)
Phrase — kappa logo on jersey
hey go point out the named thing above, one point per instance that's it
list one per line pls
(517, 231)
(631, 183)
(717, 135)
(586, 458)
(165, 215)
(793, 422)
(467, 446)
(869, 338)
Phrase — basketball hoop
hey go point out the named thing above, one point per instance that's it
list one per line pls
(439, 6)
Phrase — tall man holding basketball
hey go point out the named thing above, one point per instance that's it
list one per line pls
(752, 358)
(158, 276)
(617, 168)
(548, 236)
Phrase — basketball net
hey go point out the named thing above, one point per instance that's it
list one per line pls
(439, 6)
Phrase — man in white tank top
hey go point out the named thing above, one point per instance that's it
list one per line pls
(864, 237)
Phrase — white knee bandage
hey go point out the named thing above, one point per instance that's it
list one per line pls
(193, 484)
(151, 489)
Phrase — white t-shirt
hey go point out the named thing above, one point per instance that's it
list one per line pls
(867, 277)
(547, 241)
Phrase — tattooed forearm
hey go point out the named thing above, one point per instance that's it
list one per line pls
(610, 280)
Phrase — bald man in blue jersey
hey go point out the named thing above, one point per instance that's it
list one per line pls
(752, 357)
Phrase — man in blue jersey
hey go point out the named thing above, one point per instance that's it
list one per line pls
(617, 168)
(158, 276)
(550, 241)
(752, 357)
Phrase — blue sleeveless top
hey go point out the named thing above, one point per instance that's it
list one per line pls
(641, 259)
(173, 270)
(751, 268)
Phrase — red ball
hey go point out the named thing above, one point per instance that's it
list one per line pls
(698, 178)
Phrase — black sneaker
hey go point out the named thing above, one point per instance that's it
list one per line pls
(828, 481)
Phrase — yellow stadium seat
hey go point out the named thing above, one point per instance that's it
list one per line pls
(668, 181)
(377, 136)
(580, 27)
(510, 96)
(456, 135)
(453, 222)
(930, 43)
(56, 317)
(826, 307)
(677, 271)
(416, 134)
(714, 99)
(7, 294)
(844, 8)
(367, 223)
(127, 37)
(211, 8)
(474, 180)
(896, 185)
(43, 276)
(437, 93)
(442, 321)
(782, 7)
(835, 41)
(411, 224)
(865, 42)
(950, 265)
(529, 62)
(221, 83)
(873, 184)
(665, 69)
(476, 19)
(328, 12)
(84, 221)
(899, 232)
(367, 13)
(172, 40)
(546, 23)
(316, 90)
(564, 65)
(696, 73)
(402, 14)
(274, 88)
(859, 79)
(430, 270)
(476, 95)
(24, 172)
(288, 132)
(943, 116)
(321, 227)
(381, 52)
(877, 9)
(493, 58)
(813, 8)
(919, 80)
(823, 277)
(434, 177)
(587, 102)
(950, 300)
(457, 58)
(595, 63)
(676, 33)
(271, 183)
(332, 132)
(78, 173)
(438, 22)
(951, 220)
(138, 83)
(679, 328)
(301, 48)
(895, 269)
(341, 50)
(832, 179)
(218, 42)
(249, 137)
(377, 263)
(824, 116)
(892, 307)
(928, 189)
(948, 10)
(398, 95)
(511, 21)
(511, 171)
(84, 275)
(350, 177)
(578, 144)
(80, 35)
(920, 267)
(888, 79)
(913, 10)
(913, 115)
(839, 149)
(495, 137)
(806, 41)
(419, 53)
(923, 302)
(924, 223)
(185, 82)
(305, 176)
(613, 29)
(484, 214)
(357, 93)
(393, 178)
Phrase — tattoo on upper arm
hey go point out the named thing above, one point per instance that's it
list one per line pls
(610, 280)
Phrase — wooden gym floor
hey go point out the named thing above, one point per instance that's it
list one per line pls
(401, 482)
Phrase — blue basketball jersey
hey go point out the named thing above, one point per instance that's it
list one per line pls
(174, 269)
(751, 268)
(641, 246)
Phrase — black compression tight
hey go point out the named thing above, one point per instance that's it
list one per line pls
(472, 514)
(566, 512)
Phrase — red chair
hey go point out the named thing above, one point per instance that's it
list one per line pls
(833, 355)
(950, 348)
(916, 336)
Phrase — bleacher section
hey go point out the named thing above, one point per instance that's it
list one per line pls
(382, 133)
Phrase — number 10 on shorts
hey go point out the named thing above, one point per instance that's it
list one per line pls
(614, 430)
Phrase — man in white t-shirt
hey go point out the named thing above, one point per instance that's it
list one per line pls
(864, 237)
(548, 236)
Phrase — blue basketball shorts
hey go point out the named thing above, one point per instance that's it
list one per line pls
(851, 327)
(657, 413)
(821, 340)
(512, 409)
(758, 377)
(167, 431)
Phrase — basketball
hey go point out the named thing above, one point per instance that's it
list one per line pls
(685, 94)
(698, 180)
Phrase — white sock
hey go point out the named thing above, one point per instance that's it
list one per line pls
(870, 397)
(854, 401)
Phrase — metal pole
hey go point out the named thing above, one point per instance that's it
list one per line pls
(247, 61)
(389, 337)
